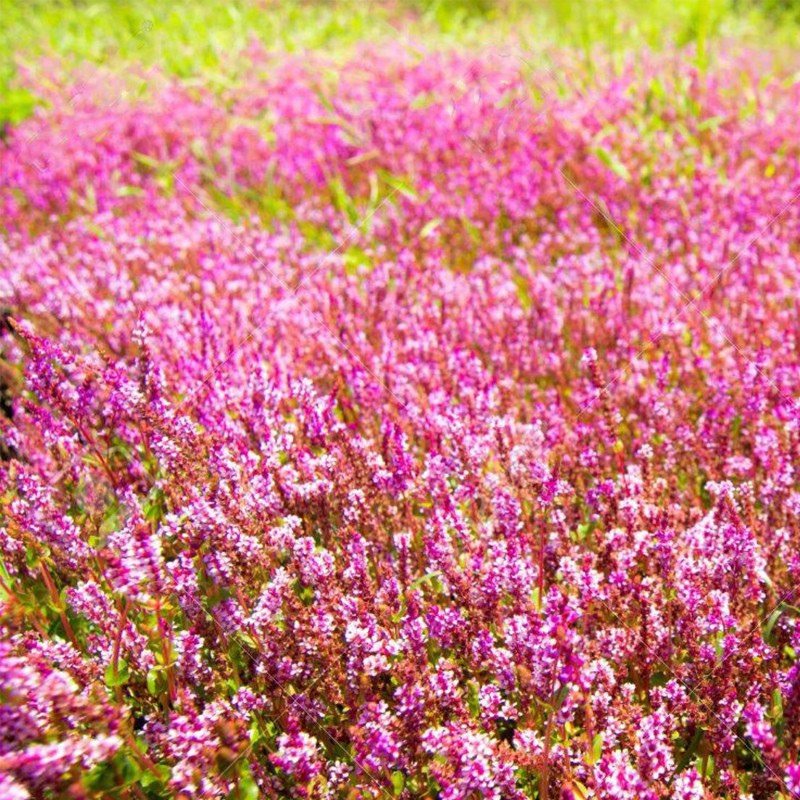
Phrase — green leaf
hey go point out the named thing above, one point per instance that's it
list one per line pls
(612, 162)
(710, 123)
(560, 697)
(16, 105)
(472, 230)
(429, 227)
(597, 748)
(691, 749)
(155, 681)
(342, 200)
(399, 185)
(473, 701)
(354, 259)
(122, 770)
(583, 530)
(580, 789)
(427, 578)
(129, 191)
(120, 677)
(422, 100)
(777, 704)
(398, 782)
(773, 619)
(148, 779)
(145, 160)
(248, 788)
(101, 778)
(129, 770)
(305, 593)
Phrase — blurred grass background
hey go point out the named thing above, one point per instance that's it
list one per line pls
(195, 38)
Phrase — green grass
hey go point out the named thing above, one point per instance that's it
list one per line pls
(192, 38)
(186, 39)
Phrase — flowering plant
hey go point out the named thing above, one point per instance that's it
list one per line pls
(343, 457)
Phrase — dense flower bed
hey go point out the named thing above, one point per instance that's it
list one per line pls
(422, 426)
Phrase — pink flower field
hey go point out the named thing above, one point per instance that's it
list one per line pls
(415, 424)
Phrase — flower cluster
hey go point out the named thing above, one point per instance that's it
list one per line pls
(423, 425)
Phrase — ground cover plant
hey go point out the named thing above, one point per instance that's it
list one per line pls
(382, 416)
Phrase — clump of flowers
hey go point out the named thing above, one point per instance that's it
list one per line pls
(395, 434)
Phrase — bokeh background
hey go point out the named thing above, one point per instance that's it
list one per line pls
(206, 39)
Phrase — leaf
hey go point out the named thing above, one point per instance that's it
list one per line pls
(429, 577)
(580, 790)
(691, 749)
(164, 773)
(771, 622)
(777, 704)
(398, 782)
(100, 778)
(473, 700)
(710, 123)
(305, 593)
(155, 681)
(120, 677)
(129, 191)
(472, 230)
(354, 259)
(342, 200)
(248, 788)
(399, 185)
(128, 770)
(429, 227)
(122, 770)
(16, 105)
(613, 163)
(154, 507)
(560, 697)
(422, 100)
(597, 749)
(145, 160)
